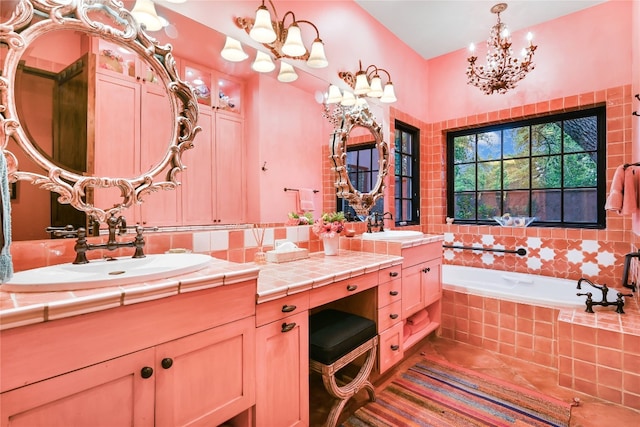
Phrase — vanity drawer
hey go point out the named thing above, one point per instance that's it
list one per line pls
(280, 308)
(341, 289)
(390, 351)
(390, 273)
(389, 315)
(389, 292)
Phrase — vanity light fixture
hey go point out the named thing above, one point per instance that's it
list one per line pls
(503, 70)
(284, 41)
(233, 51)
(145, 13)
(368, 83)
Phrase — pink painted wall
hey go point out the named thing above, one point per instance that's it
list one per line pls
(586, 51)
(635, 84)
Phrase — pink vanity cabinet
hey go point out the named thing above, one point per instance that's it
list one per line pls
(187, 359)
(421, 289)
(282, 362)
(214, 182)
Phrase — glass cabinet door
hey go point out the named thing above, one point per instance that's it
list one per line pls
(229, 96)
(199, 78)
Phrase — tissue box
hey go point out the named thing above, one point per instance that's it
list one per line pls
(290, 255)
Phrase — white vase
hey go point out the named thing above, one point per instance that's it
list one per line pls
(331, 244)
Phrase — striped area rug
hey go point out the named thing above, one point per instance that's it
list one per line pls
(438, 394)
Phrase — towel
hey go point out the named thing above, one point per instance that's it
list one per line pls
(623, 195)
(6, 263)
(305, 200)
(418, 318)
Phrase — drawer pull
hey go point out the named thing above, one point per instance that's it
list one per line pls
(167, 362)
(352, 288)
(393, 316)
(146, 372)
(288, 308)
(395, 347)
(393, 293)
(286, 327)
(393, 274)
(426, 270)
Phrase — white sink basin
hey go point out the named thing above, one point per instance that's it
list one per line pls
(393, 235)
(104, 273)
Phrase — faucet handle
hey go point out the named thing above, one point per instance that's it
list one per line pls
(67, 231)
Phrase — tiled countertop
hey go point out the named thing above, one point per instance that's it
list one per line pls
(279, 280)
(274, 281)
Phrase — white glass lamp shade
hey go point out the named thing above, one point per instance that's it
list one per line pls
(348, 99)
(334, 95)
(362, 103)
(293, 45)
(362, 84)
(317, 58)
(262, 30)
(232, 51)
(389, 94)
(145, 13)
(287, 73)
(376, 87)
(263, 63)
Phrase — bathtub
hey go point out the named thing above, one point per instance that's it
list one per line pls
(518, 287)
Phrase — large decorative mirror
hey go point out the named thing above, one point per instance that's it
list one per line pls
(349, 122)
(59, 117)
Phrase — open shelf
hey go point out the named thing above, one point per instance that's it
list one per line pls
(414, 338)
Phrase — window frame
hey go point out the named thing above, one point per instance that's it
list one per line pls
(599, 112)
(415, 175)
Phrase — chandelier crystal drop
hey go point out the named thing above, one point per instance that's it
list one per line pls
(502, 70)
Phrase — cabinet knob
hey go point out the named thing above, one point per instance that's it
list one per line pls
(351, 288)
(393, 274)
(286, 327)
(393, 293)
(395, 347)
(288, 308)
(426, 270)
(167, 362)
(146, 372)
(393, 316)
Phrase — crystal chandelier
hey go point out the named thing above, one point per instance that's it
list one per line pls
(502, 71)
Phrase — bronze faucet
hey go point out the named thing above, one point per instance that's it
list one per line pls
(619, 303)
(378, 221)
(114, 224)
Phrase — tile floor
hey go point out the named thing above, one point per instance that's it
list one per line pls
(592, 412)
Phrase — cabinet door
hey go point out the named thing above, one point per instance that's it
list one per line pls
(108, 394)
(229, 173)
(206, 378)
(282, 394)
(161, 207)
(197, 181)
(412, 290)
(390, 349)
(432, 282)
(116, 152)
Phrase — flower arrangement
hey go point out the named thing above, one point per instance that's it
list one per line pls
(329, 224)
(300, 219)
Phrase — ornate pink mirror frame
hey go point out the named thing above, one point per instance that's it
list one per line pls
(109, 20)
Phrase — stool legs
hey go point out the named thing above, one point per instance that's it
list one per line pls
(342, 393)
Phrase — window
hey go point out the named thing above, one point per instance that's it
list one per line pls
(552, 168)
(362, 167)
(407, 174)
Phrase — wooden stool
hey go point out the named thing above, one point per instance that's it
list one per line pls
(336, 339)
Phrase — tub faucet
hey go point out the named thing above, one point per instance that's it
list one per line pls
(619, 302)
(625, 275)
(115, 225)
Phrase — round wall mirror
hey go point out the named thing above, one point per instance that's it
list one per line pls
(79, 81)
(350, 123)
